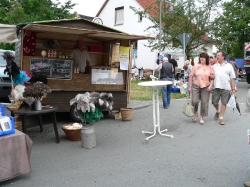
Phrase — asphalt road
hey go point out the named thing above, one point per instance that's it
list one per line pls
(208, 155)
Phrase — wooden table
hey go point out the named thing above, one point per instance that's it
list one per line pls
(26, 111)
(14, 155)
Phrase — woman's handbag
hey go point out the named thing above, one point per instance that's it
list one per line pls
(188, 109)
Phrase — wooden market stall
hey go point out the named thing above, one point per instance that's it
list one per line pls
(61, 36)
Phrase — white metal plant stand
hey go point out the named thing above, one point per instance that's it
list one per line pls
(155, 85)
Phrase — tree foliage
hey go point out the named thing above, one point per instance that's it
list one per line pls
(232, 27)
(22, 11)
(190, 17)
(19, 11)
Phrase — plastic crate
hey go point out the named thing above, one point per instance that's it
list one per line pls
(175, 90)
(12, 120)
(2, 109)
(12, 128)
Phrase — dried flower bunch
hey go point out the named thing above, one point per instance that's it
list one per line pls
(89, 105)
(89, 101)
(36, 90)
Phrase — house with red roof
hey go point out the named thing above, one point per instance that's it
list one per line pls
(118, 15)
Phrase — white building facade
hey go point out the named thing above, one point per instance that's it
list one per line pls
(117, 14)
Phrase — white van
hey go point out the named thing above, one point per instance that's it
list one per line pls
(5, 82)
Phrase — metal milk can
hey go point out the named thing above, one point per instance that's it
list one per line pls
(88, 137)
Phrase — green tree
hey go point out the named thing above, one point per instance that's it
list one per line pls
(22, 11)
(232, 28)
(190, 17)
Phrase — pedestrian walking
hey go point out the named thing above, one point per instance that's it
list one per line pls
(175, 65)
(201, 81)
(188, 70)
(166, 71)
(224, 84)
(133, 73)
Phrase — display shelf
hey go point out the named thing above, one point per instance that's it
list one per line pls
(52, 58)
(68, 50)
(101, 53)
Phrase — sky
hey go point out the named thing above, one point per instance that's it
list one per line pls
(86, 7)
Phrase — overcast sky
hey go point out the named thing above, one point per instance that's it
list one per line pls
(85, 7)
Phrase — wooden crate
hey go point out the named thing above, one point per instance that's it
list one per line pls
(18, 122)
(118, 115)
(16, 105)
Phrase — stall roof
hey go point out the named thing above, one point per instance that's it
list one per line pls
(60, 21)
(102, 35)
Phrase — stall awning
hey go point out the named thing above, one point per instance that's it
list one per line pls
(103, 35)
(8, 33)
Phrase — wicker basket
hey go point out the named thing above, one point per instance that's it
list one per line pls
(72, 134)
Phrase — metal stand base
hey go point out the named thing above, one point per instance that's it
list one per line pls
(156, 113)
(154, 133)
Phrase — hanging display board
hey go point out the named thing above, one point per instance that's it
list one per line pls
(115, 53)
(29, 43)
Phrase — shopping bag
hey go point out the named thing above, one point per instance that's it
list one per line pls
(188, 109)
(231, 103)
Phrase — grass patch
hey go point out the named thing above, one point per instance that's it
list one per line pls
(142, 93)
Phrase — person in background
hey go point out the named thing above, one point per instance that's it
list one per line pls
(133, 73)
(236, 71)
(178, 74)
(166, 72)
(140, 72)
(192, 62)
(80, 57)
(211, 60)
(214, 61)
(175, 65)
(201, 82)
(224, 84)
(187, 70)
(137, 72)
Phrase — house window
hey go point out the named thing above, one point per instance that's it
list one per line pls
(119, 15)
(139, 18)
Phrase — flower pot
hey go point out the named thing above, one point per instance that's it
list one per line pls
(88, 137)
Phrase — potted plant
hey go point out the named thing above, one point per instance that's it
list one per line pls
(34, 92)
(89, 106)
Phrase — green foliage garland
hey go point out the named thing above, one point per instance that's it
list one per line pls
(90, 116)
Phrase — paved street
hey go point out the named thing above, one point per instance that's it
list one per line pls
(206, 155)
